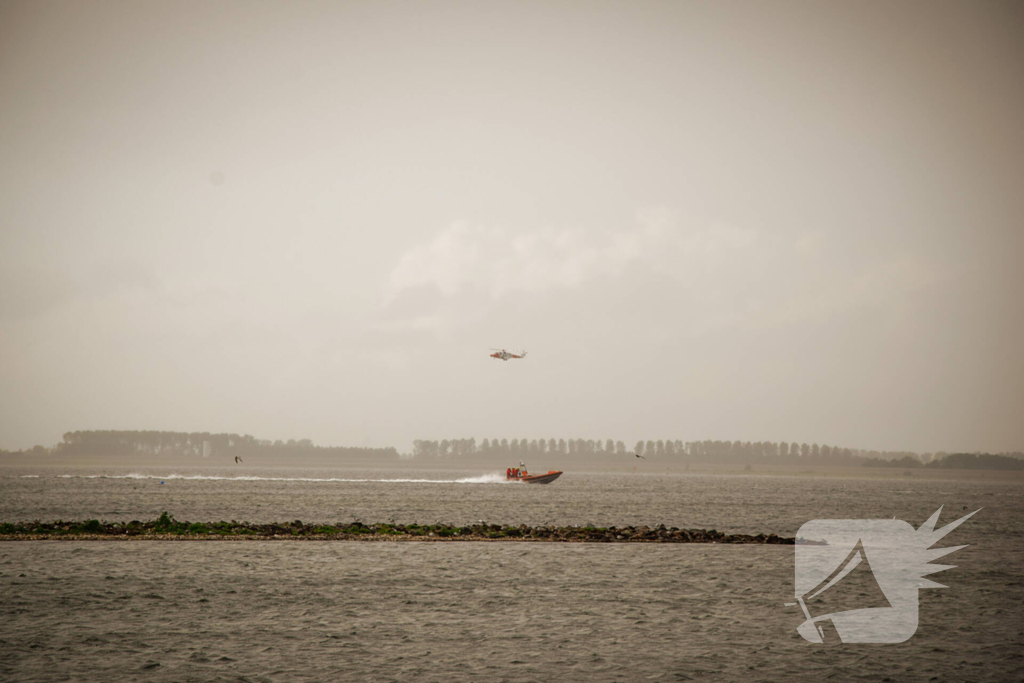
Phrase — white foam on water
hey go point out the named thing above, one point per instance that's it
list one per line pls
(492, 478)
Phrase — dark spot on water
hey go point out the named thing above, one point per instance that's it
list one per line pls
(150, 665)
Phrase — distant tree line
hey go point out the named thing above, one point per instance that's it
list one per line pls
(710, 452)
(514, 447)
(114, 442)
(117, 442)
(698, 451)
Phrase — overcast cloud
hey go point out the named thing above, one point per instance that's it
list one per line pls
(739, 220)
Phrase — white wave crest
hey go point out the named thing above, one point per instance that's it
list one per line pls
(492, 478)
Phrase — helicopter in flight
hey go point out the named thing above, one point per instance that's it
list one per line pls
(505, 355)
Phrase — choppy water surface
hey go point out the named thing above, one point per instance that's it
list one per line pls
(272, 611)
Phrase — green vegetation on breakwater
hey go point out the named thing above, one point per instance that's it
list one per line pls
(168, 527)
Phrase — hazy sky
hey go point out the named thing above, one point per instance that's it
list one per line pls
(728, 220)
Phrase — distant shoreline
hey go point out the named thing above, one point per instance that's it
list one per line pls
(654, 467)
(84, 447)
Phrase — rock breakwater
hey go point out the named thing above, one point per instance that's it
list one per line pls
(168, 528)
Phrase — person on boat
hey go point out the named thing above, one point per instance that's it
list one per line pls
(508, 472)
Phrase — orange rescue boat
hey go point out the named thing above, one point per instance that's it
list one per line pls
(520, 474)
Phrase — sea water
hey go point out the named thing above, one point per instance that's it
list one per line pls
(281, 611)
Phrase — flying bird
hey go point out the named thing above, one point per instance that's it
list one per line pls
(237, 460)
(639, 456)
